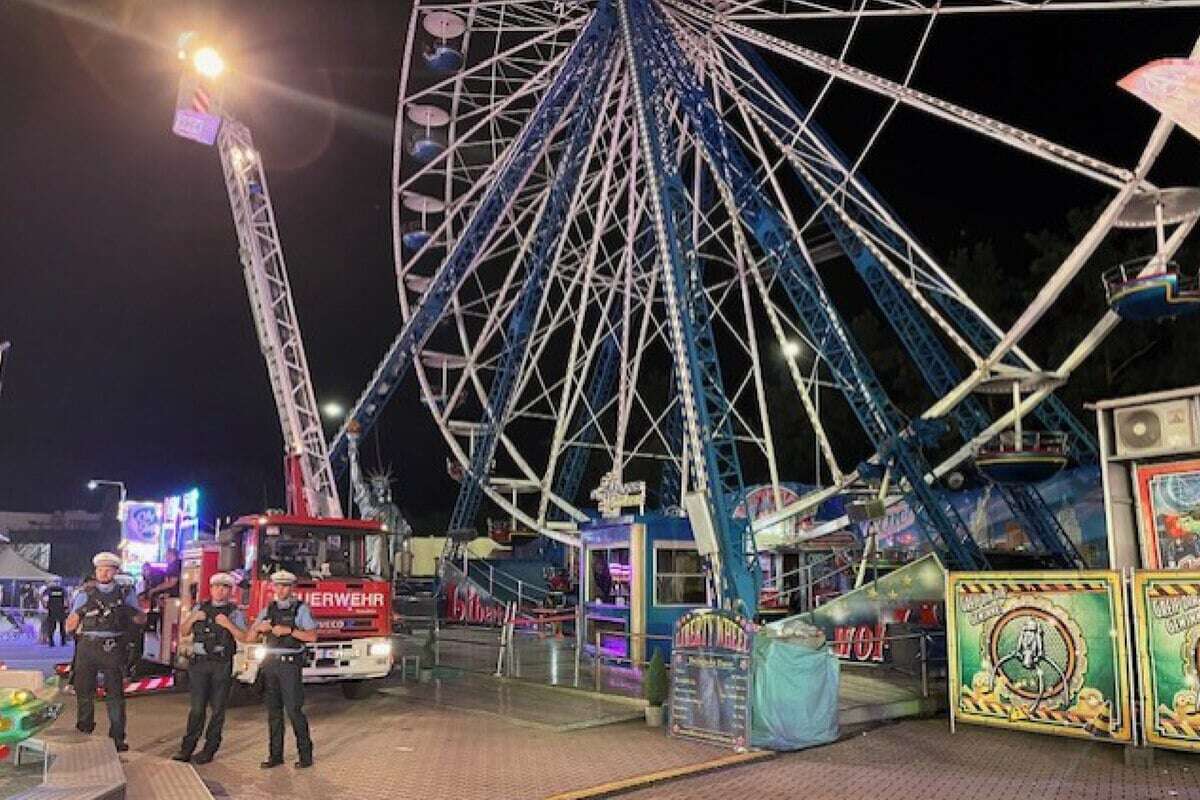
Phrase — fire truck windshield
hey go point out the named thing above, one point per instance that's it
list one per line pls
(312, 553)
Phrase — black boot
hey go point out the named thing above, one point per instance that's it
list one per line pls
(271, 762)
(203, 758)
(181, 756)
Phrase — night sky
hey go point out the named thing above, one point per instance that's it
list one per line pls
(134, 356)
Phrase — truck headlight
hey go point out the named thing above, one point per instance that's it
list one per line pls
(381, 649)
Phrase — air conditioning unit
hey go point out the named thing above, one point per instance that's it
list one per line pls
(1155, 428)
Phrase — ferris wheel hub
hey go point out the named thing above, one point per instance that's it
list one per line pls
(1164, 207)
(1001, 382)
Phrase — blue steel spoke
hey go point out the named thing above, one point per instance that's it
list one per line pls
(541, 260)
(937, 368)
(710, 429)
(879, 419)
(671, 480)
(475, 239)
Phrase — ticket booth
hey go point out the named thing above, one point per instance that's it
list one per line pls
(638, 574)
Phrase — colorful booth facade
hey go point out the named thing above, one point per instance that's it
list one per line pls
(1040, 651)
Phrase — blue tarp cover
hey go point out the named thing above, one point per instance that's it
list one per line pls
(795, 695)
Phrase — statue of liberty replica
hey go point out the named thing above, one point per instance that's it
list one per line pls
(390, 554)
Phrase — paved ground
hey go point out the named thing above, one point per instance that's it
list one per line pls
(920, 760)
(469, 736)
(452, 739)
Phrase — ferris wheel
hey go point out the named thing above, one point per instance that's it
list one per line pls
(608, 218)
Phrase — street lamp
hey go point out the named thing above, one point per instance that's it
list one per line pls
(208, 62)
(96, 483)
(792, 348)
(204, 57)
(333, 411)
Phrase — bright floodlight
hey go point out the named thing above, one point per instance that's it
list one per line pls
(208, 62)
(792, 349)
(333, 410)
(92, 486)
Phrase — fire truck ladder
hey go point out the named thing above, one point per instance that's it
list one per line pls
(311, 487)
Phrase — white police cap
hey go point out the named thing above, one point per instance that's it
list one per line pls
(282, 576)
(106, 560)
(222, 579)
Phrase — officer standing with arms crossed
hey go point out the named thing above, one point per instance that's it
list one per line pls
(286, 625)
(103, 614)
(216, 627)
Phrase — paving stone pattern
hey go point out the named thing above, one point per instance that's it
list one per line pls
(452, 740)
(921, 760)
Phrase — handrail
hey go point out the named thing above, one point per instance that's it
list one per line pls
(925, 637)
(1031, 441)
(1116, 278)
(807, 586)
(522, 588)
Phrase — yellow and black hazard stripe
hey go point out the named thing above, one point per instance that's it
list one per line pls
(1173, 590)
(1033, 588)
(1175, 725)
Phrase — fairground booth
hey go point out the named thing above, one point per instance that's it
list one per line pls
(638, 574)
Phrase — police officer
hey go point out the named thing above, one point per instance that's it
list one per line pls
(286, 625)
(102, 614)
(54, 598)
(216, 627)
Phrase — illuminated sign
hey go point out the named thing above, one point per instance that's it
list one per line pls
(180, 519)
(710, 677)
(141, 522)
(148, 528)
(612, 495)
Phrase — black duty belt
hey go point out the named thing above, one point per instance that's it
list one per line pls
(211, 659)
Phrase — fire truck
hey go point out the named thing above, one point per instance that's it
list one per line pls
(347, 588)
(329, 557)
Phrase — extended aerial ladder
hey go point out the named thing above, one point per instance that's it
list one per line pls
(311, 488)
(310, 484)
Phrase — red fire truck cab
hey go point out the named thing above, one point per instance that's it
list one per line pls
(329, 557)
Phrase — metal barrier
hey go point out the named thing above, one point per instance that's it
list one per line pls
(924, 657)
(808, 580)
(598, 659)
(489, 577)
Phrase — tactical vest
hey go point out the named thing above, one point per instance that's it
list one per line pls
(286, 617)
(209, 640)
(56, 600)
(104, 613)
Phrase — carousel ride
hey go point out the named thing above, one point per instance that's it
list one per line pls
(610, 217)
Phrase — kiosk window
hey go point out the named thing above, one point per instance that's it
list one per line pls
(679, 577)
